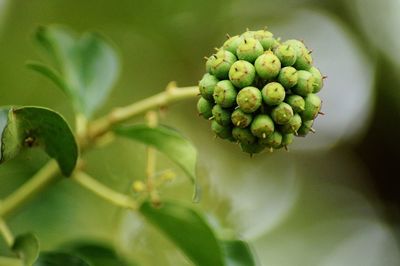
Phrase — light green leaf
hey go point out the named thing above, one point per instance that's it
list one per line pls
(26, 246)
(168, 141)
(59, 259)
(48, 72)
(188, 230)
(237, 253)
(27, 127)
(88, 65)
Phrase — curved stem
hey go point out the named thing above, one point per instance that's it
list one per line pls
(6, 232)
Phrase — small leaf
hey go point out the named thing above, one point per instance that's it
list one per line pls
(168, 141)
(28, 127)
(237, 253)
(59, 259)
(88, 65)
(26, 246)
(188, 230)
(50, 73)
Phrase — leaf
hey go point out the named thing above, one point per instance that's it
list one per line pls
(188, 230)
(237, 253)
(48, 72)
(26, 246)
(59, 259)
(88, 65)
(28, 127)
(168, 141)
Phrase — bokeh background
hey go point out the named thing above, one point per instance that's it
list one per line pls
(332, 200)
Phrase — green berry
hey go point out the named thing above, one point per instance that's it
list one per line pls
(224, 132)
(273, 93)
(286, 54)
(305, 83)
(221, 115)
(292, 126)
(204, 108)
(282, 113)
(266, 39)
(288, 77)
(243, 135)
(297, 45)
(311, 108)
(296, 102)
(209, 63)
(249, 49)
(287, 139)
(242, 74)
(267, 65)
(232, 44)
(304, 60)
(252, 148)
(274, 140)
(318, 79)
(207, 85)
(225, 94)
(222, 63)
(240, 118)
(249, 99)
(262, 126)
(305, 128)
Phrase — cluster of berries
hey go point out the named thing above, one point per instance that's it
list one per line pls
(260, 92)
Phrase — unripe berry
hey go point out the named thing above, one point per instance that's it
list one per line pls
(292, 125)
(273, 93)
(209, 63)
(287, 139)
(267, 65)
(221, 115)
(252, 148)
(223, 62)
(318, 79)
(288, 77)
(296, 102)
(282, 113)
(286, 54)
(242, 74)
(207, 85)
(297, 45)
(262, 126)
(305, 128)
(266, 39)
(240, 118)
(243, 135)
(305, 83)
(249, 99)
(224, 132)
(232, 44)
(249, 49)
(303, 61)
(204, 108)
(274, 140)
(311, 108)
(225, 94)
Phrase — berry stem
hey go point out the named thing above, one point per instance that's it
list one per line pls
(152, 121)
(6, 232)
(10, 261)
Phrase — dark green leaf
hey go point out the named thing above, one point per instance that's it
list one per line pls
(88, 65)
(237, 253)
(50, 73)
(167, 141)
(26, 246)
(59, 259)
(188, 230)
(28, 127)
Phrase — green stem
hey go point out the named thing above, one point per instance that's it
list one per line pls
(37, 183)
(5, 261)
(103, 191)
(6, 232)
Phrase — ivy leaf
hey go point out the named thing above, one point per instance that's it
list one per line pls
(88, 65)
(26, 246)
(27, 127)
(237, 253)
(59, 259)
(48, 72)
(168, 141)
(188, 230)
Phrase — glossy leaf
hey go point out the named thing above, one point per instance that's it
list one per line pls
(88, 65)
(188, 230)
(59, 259)
(26, 246)
(168, 141)
(237, 253)
(28, 127)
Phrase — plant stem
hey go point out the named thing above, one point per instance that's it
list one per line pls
(103, 191)
(5, 261)
(152, 121)
(37, 183)
(6, 232)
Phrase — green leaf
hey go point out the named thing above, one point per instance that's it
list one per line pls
(59, 259)
(26, 246)
(88, 65)
(48, 72)
(27, 127)
(168, 141)
(237, 253)
(188, 230)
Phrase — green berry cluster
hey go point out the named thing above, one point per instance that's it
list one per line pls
(260, 92)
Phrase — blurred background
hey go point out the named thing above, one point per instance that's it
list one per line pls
(332, 200)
